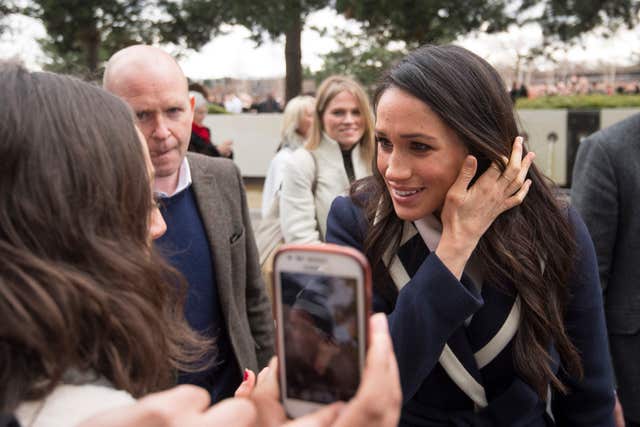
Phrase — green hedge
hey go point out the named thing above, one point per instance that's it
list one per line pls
(216, 109)
(580, 102)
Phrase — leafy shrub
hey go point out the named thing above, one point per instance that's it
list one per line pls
(575, 102)
(217, 109)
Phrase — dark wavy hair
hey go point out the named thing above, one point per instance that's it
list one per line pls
(528, 250)
(80, 288)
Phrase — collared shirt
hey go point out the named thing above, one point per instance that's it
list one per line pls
(184, 180)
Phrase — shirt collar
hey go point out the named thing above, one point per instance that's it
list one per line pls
(184, 180)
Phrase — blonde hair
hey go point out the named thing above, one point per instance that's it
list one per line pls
(328, 90)
(292, 116)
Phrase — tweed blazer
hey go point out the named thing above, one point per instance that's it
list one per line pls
(221, 200)
(303, 212)
(444, 332)
(606, 192)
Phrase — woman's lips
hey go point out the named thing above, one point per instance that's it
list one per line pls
(406, 195)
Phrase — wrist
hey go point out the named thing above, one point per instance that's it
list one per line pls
(454, 254)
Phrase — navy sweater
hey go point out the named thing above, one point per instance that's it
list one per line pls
(186, 247)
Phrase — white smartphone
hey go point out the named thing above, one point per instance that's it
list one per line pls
(322, 297)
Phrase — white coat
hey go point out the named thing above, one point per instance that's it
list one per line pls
(303, 214)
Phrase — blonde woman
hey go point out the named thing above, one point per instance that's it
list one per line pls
(339, 151)
(296, 126)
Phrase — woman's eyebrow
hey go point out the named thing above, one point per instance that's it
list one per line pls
(408, 135)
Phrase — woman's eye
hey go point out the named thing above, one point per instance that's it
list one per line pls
(419, 146)
(384, 143)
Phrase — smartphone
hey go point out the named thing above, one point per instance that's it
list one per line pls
(322, 298)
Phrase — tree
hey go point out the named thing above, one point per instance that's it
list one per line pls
(359, 56)
(425, 21)
(566, 20)
(6, 9)
(82, 33)
(278, 18)
(436, 21)
(274, 18)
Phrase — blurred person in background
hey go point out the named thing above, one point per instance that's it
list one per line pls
(232, 103)
(296, 126)
(269, 105)
(201, 135)
(339, 151)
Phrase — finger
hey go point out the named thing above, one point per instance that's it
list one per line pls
(515, 161)
(380, 341)
(267, 383)
(246, 387)
(230, 412)
(518, 182)
(321, 418)
(517, 198)
(381, 369)
(466, 174)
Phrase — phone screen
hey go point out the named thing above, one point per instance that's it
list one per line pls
(320, 336)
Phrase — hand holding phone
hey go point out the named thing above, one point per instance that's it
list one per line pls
(321, 303)
(369, 407)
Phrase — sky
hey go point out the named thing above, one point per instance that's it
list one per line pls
(235, 55)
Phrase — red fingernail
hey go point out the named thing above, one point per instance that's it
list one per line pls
(246, 376)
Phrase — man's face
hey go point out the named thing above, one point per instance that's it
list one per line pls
(164, 114)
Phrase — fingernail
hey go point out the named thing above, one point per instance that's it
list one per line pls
(245, 376)
(519, 139)
(468, 162)
(380, 323)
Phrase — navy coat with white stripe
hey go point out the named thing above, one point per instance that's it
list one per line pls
(430, 313)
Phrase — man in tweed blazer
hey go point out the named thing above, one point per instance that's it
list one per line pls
(209, 237)
(606, 192)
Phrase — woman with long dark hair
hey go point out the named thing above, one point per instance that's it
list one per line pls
(489, 281)
(90, 316)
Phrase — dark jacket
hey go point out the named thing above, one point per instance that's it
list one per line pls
(606, 192)
(246, 308)
(429, 318)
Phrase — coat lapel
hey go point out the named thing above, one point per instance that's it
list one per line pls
(470, 348)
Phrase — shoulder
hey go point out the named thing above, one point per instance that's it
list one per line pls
(218, 167)
(346, 217)
(615, 137)
(344, 206)
(71, 404)
(301, 154)
(300, 164)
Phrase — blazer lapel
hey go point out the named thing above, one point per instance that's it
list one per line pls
(218, 227)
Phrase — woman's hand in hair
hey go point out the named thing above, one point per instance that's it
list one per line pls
(185, 406)
(469, 211)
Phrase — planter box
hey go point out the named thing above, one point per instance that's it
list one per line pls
(554, 135)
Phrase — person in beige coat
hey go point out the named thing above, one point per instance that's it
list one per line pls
(339, 151)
